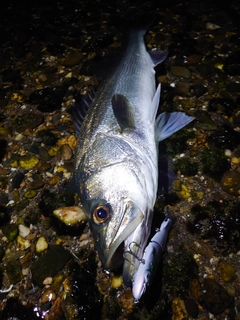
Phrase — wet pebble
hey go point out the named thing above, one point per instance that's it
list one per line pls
(49, 264)
(72, 59)
(191, 307)
(53, 151)
(14, 271)
(214, 297)
(117, 282)
(66, 152)
(70, 215)
(27, 121)
(17, 180)
(41, 245)
(48, 281)
(30, 194)
(10, 231)
(36, 182)
(22, 243)
(230, 183)
(48, 295)
(23, 231)
(181, 189)
(48, 99)
(183, 88)
(28, 162)
(195, 288)
(54, 180)
(204, 121)
(181, 72)
(179, 310)
(202, 248)
(4, 171)
(226, 271)
(70, 140)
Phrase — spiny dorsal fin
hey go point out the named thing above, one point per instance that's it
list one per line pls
(80, 108)
(123, 111)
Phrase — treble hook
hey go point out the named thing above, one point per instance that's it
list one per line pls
(132, 253)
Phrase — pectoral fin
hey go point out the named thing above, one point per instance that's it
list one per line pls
(123, 111)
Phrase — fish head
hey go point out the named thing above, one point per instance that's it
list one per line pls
(118, 213)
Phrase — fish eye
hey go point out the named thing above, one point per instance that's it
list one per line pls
(101, 214)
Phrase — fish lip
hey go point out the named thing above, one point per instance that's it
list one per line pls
(119, 240)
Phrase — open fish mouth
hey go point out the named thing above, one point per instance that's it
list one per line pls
(116, 253)
(127, 249)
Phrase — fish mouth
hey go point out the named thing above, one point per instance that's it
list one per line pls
(115, 256)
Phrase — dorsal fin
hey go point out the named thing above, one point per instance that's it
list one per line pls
(80, 108)
(123, 111)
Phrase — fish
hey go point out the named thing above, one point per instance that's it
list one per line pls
(150, 260)
(116, 159)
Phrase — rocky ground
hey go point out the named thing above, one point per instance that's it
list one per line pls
(50, 271)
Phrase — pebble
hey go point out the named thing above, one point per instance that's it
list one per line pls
(230, 182)
(70, 215)
(22, 243)
(212, 26)
(117, 282)
(66, 152)
(181, 72)
(179, 310)
(23, 231)
(72, 59)
(70, 140)
(202, 248)
(28, 162)
(226, 271)
(30, 194)
(235, 160)
(4, 171)
(53, 151)
(41, 245)
(181, 190)
(54, 180)
(48, 295)
(48, 281)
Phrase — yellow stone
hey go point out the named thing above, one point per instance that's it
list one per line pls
(28, 162)
(179, 310)
(235, 160)
(41, 245)
(14, 164)
(70, 215)
(60, 169)
(23, 244)
(226, 271)
(30, 194)
(54, 180)
(53, 151)
(117, 282)
(70, 140)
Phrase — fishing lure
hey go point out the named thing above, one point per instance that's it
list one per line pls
(151, 257)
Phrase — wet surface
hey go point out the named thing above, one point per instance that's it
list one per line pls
(47, 54)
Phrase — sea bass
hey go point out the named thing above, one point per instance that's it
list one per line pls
(116, 163)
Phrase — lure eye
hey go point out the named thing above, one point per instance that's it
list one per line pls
(101, 214)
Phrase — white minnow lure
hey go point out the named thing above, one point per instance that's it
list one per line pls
(152, 255)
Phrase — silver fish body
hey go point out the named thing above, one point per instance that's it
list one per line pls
(116, 166)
